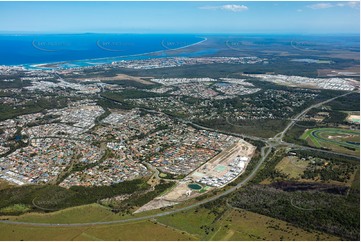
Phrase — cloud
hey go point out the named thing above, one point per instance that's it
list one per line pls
(331, 5)
(228, 7)
(349, 4)
(320, 5)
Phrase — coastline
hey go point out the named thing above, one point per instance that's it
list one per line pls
(108, 59)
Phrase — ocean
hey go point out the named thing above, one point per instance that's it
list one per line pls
(31, 49)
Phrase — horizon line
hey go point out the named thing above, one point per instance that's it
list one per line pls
(180, 33)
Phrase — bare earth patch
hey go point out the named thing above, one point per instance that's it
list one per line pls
(118, 77)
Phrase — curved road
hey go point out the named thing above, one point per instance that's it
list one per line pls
(156, 215)
(280, 136)
(265, 151)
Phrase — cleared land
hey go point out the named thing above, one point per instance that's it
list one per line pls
(237, 224)
(119, 77)
(354, 118)
(352, 71)
(217, 168)
(243, 225)
(292, 166)
(144, 230)
(316, 170)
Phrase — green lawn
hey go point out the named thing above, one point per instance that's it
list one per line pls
(340, 140)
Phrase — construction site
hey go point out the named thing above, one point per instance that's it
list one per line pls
(215, 173)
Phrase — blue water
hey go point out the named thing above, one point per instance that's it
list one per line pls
(38, 49)
(222, 84)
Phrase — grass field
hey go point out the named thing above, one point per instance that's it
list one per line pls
(292, 166)
(341, 140)
(239, 225)
(15, 209)
(162, 175)
(143, 230)
(296, 168)
(80, 214)
(195, 224)
(236, 224)
(4, 184)
(190, 221)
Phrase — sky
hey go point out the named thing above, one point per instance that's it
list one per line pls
(181, 17)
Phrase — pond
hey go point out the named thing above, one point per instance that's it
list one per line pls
(195, 186)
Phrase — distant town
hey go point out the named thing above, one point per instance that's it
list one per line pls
(123, 145)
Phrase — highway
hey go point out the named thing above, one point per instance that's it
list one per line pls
(265, 152)
(279, 137)
(301, 147)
